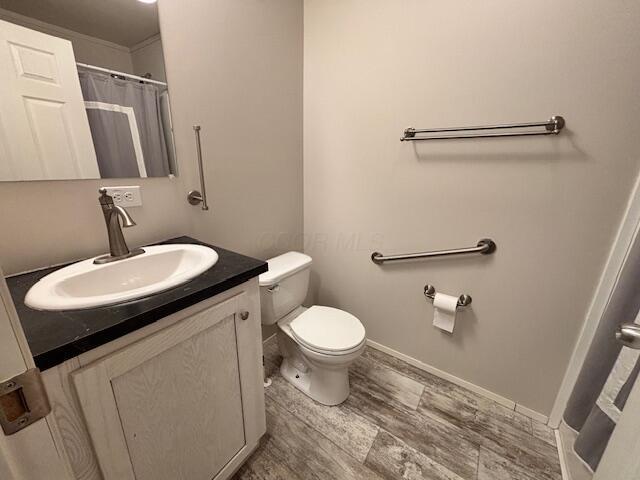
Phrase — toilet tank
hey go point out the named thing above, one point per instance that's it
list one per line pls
(284, 287)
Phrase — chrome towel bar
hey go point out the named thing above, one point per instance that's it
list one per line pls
(195, 197)
(551, 127)
(485, 246)
(463, 300)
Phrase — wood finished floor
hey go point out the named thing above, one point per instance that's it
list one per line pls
(398, 423)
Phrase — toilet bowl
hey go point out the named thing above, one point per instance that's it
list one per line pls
(319, 343)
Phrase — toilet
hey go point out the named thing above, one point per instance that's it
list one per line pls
(318, 344)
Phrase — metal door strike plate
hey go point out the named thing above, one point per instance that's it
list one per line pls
(23, 401)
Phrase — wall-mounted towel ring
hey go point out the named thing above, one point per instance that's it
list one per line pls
(463, 300)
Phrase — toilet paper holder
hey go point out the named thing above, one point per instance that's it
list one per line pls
(463, 300)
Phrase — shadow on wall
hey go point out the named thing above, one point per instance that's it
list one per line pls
(315, 284)
(466, 327)
(463, 262)
(501, 150)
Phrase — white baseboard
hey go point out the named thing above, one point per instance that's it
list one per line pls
(505, 402)
(539, 417)
(564, 469)
(458, 381)
(269, 338)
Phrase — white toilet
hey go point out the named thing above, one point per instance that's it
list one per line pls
(318, 343)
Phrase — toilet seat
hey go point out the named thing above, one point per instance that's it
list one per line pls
(328, 330)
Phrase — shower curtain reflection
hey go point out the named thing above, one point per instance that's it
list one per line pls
(127, 127)
(609, 371)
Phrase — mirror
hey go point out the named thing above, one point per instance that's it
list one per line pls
(84, 92)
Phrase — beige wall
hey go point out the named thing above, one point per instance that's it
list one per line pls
(235, 68)
(147, 57)
(237, 71)
(374, 67)
(50, 222)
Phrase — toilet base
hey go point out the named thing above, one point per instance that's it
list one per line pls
(319, 378)
(327, 388)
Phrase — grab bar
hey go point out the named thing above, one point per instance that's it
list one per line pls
(551, 127)
(194, 197)
(463, 300)
(485, 246)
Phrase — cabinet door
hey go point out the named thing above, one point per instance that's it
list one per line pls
(169, 406)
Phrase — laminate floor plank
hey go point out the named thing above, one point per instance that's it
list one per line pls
(343, 426)
(465, 400)
(501, 437)
(392, 458)
(493, 466)
(295, 449)
(399, 422)
(397, 386)
(267, 463)
(545, 433)
(441, 441)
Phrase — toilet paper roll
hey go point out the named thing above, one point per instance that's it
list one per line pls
(445, 308)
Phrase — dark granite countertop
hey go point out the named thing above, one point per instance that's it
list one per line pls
(58, 336)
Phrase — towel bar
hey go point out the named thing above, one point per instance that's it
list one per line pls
(551, 127)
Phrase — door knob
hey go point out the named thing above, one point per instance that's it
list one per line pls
(628, 334)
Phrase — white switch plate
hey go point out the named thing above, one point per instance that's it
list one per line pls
(125, 196)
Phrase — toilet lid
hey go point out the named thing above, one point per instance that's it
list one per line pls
(328, 329)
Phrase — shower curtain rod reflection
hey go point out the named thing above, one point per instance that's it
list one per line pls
(123, 74)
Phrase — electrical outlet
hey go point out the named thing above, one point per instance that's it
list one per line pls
(125, 196)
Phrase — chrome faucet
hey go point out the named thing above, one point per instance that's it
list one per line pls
(112, 214)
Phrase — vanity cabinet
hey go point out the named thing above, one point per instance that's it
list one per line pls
(179, 399)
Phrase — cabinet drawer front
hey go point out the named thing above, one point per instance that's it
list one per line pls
(168, 406)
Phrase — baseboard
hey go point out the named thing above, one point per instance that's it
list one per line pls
(564, 468)
(458, 381)
(539, 417)
(268, 339)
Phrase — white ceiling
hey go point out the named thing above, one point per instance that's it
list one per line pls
(125, 22)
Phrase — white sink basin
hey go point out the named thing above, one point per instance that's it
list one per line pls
(87, 285)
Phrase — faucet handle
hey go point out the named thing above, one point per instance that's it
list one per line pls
(105, 199)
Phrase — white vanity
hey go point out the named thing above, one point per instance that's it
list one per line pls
(151, 358)
(179, 398)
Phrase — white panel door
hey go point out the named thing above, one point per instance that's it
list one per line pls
(44, 131)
